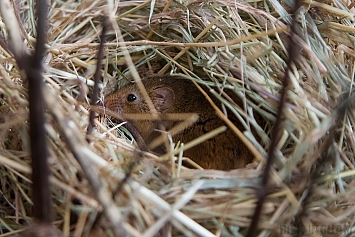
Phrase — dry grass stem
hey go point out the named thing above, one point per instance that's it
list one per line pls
(235, 49)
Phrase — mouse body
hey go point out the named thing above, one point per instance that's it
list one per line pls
(177, 95)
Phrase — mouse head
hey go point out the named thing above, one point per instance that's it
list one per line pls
(129, 99)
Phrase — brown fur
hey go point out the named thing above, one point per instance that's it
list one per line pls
(176, 95)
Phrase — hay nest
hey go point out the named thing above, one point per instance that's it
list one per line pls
(238, 45)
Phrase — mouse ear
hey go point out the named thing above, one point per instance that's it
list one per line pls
(162, 98)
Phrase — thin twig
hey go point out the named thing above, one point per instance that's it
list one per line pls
(77, 145)
(262, 192)
(32, 67)
(95, 92)
(325, 156)
(42, 201)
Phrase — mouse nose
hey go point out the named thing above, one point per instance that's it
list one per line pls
(108, 102)
(112, 102)
(105, 103)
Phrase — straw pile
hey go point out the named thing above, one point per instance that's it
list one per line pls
(236, 44)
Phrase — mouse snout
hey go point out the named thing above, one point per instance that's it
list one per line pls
(113, 102)
(107, 102)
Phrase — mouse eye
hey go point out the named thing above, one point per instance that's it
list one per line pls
(131, 97)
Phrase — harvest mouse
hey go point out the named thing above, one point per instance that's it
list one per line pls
(176, 95)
